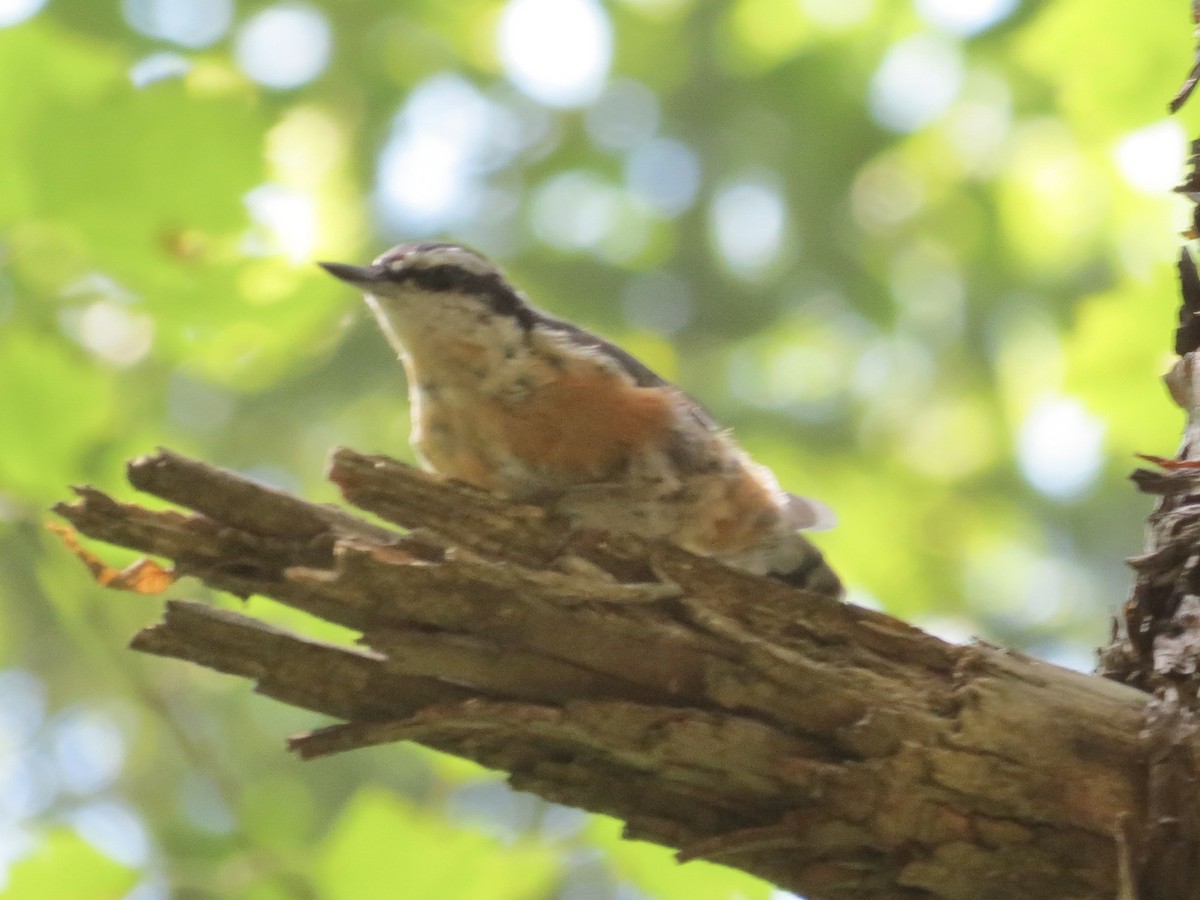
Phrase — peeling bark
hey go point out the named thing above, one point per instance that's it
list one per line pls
(1156, 647)
(831, 749)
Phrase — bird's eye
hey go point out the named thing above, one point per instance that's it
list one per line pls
(439, 278)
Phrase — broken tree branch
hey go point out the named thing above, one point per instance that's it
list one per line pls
(831, 749)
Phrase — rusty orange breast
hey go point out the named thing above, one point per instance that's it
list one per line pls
(586, 424)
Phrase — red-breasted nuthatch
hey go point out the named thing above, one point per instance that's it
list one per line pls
(519, 403)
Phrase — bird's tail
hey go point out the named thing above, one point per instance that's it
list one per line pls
(798, 563)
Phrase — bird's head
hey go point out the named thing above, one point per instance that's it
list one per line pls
(415, 287)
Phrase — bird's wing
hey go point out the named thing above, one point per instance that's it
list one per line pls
(642, 375)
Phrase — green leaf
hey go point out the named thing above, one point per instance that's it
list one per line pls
(53, 406)
(1082, 47)
(147, 186)
(129, 168)
(383, 847)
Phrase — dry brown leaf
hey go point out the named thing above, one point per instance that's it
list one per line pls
(145, 576)
(1169, 464)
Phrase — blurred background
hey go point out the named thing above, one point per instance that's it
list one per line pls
(918, 254)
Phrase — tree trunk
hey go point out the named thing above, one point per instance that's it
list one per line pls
(832, 750)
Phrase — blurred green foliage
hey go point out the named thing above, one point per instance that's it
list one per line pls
(65, 865)
(917, 255)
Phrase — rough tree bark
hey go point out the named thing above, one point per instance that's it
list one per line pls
(1156, 647)
(833, 750)
(1156, 642)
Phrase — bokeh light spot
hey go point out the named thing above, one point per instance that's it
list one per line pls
(289, 218)
(445, 139)
(158, 67)
(979, 123)
(22, 708)
(665, 174)
(917, 80)
(14, 11)
(965, 17)
(747, 222)
(1059, 447)
(556, 51)
(28, 786)
(115, 829)
(1151, 158)
(189, 23)
(429, 169)
(306, 146)
(886, 193)
(115, 333)
(575, 210)
(284, 46)
(88, 749)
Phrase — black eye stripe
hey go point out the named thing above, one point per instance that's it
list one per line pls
(437, 278)
(443, 277)
(501, 297)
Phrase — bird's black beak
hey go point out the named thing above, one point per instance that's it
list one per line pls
(356, 275)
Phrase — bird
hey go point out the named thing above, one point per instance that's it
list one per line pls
(527, 406)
